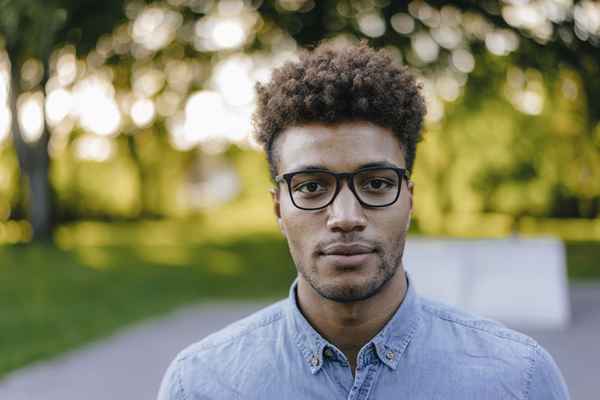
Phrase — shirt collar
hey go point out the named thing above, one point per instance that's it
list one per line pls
(389, 343)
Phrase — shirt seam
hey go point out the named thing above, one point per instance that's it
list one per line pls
(530, 370)
(531, 344)
(442, 315)
(179, 380)
(245, 332)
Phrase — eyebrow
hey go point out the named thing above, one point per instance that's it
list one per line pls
(375, 164)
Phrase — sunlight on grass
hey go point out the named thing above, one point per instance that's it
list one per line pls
(226, 263)
(223, 224)
(94, 257)
(174, 256)
(570, 229)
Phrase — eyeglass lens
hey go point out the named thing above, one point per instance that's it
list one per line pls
(376, 187)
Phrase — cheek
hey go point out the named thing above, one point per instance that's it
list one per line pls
(295, 224)
(299, 228)
(393, 226)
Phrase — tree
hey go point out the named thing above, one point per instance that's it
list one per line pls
(556, 43)
(474, 44)
(32, 30)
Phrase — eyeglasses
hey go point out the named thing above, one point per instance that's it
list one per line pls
(316, 189)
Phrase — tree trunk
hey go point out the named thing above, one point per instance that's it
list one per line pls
(142, 176)
(33, 163)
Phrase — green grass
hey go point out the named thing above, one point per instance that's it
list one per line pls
(583, 260)
(52, 300)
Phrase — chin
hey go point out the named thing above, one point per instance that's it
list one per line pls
(348, 289)
(346, 284)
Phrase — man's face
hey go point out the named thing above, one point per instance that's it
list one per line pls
(344, 147)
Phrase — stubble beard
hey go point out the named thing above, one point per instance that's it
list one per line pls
(385, 270)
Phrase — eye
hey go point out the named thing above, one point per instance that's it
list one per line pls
(378, 184)
(311, 187)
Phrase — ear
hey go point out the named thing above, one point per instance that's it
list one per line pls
(277, 207)
(411, 188)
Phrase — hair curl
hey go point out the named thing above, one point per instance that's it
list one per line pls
(332, 85)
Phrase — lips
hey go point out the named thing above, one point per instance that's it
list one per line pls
(347, 256)
(347, 249)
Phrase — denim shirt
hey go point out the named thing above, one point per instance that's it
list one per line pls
(427, 350)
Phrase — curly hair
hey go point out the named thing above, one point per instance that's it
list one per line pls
(333, 85)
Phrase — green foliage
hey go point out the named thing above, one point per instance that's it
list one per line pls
(29, 27)
(487, 158)
(9, 192)
(33, 28)
(484, 158)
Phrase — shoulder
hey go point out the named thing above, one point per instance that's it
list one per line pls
(211, 360)
(256, 325)
(441, 316)
(510, 355)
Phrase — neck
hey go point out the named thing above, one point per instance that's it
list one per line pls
(349, 326)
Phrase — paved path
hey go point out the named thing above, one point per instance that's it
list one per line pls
(130, 365)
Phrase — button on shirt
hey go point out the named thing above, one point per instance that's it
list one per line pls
(428, 350)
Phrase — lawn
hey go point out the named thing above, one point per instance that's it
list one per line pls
(54, 299)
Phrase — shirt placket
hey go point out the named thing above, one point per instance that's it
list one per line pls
(367, 371)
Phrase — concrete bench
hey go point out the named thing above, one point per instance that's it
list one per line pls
(521, 282)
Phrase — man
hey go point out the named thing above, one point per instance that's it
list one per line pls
(340, 129)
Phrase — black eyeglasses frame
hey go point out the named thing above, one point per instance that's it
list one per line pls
(403, 173)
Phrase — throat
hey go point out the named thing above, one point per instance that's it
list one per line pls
(349, 326)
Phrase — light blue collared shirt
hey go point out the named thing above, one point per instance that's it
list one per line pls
(428, 350)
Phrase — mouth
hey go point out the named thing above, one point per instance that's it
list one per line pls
(347, 255)
(347, 249)
(350, 260)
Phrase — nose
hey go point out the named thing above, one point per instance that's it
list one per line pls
(346, 214)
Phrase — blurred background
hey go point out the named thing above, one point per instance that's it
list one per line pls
(130, 183)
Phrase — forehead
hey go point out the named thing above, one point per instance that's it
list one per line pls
(338, 147)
